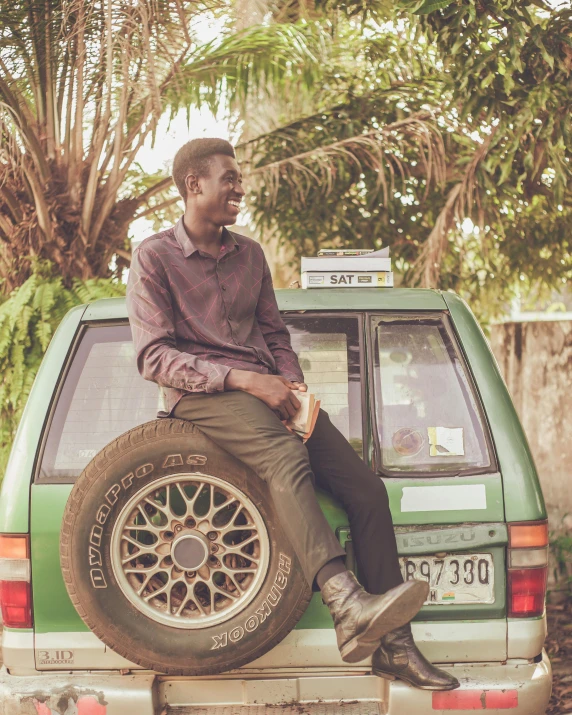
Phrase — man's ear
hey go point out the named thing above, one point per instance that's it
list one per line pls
(192, 184)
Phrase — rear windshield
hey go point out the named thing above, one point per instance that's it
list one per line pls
(427, 412)
(103, 394)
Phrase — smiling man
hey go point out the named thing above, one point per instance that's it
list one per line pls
(207, 328)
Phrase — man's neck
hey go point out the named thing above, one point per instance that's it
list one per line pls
(204, 235)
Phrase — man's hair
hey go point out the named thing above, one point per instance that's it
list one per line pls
(195, 157)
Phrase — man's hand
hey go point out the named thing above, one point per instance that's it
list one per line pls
(300, 386)
(275, 391)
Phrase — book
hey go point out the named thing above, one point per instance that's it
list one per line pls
(345, 263)
(304, 421)
(345, 251)
(347, 279)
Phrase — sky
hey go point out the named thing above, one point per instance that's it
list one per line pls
(158, 155)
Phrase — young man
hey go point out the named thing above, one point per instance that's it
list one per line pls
(207, 328)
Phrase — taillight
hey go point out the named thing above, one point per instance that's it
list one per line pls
(15, 582)
(527, 568)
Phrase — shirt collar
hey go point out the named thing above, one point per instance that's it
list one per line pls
(188, 247)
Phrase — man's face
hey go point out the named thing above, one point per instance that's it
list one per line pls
(217, 196)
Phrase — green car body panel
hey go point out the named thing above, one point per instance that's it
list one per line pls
(15, 494)
(523, 495)
(514, 496)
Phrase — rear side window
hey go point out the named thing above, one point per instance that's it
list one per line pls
(328, 349)
(103, 394)
(427, 413)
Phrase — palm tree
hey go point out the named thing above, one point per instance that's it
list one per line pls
(82, 88)
(430, 112)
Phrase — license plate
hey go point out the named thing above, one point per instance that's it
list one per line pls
(456, 579)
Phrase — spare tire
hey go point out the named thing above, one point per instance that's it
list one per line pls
(173, 555)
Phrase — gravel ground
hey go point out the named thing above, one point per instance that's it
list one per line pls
(559, 648)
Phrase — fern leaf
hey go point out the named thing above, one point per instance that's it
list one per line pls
(43, 331)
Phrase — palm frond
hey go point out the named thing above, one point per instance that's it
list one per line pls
(381, 151)
(458, 205)
(240, 65)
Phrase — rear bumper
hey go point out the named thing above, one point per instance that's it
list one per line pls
(519, 688)
(314, 693)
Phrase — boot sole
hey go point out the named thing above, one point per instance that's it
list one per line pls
(390, 676)
(406, 601)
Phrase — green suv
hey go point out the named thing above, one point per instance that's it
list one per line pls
(97, 491)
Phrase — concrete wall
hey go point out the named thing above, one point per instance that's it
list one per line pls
(536, 361)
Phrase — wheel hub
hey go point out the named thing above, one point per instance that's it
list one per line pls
(190, 551)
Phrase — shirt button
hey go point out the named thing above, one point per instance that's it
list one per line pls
(223, 287)
(230, 317)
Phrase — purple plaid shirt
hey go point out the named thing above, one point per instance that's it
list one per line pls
(194, 317)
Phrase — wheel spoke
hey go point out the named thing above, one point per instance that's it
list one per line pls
(150, 526)
(182, 493)
(238, 570)
(233, 526)
(230, 575)
(230, 500)
(197, 601)
(213, 509)
(237, 547)
(144, 569)
(158, 592)
(146, 582)
(132, 557)
(184, 602)
(143, 548)
(137, 527)
(226, 594)
(165, 510)
(196, 495)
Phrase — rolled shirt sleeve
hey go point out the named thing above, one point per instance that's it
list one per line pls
(151, 315)
(275, 332)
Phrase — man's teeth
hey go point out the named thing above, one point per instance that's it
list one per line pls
(235, 203)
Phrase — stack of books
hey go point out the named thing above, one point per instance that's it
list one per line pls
(351, 268)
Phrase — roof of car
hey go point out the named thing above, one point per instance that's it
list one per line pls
(314, 299)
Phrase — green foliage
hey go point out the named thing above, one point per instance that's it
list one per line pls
(512, 64)
(29, 317)
(250, 62)
(561, 552)
(491, 82)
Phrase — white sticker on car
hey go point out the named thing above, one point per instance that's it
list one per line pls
(444, 498)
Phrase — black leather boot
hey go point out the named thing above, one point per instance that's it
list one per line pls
(399, 657)
(361, 619)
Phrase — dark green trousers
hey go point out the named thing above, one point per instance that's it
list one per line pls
(247, 428)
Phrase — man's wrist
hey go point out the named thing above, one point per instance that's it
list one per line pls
(238, 380)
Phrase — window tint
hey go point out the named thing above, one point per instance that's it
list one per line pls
(328, 349)
(103, 394)
(427, 414)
